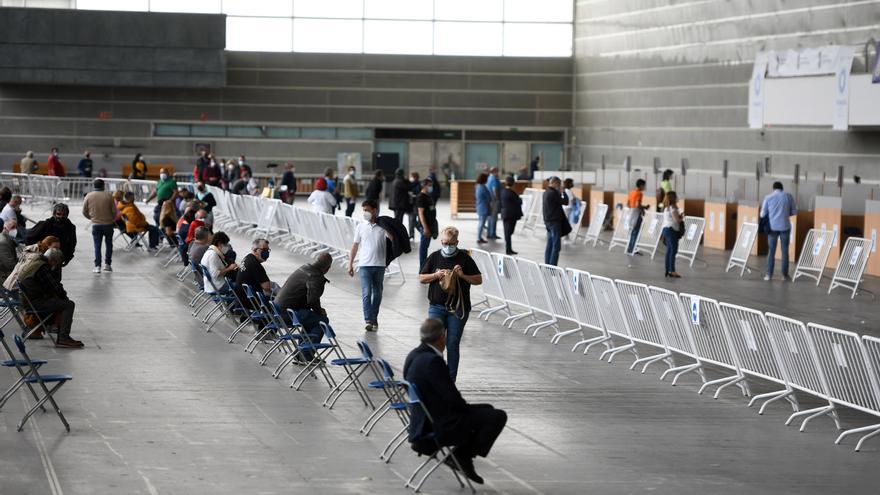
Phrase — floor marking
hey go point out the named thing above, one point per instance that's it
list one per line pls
(48, 467)
(150, 487)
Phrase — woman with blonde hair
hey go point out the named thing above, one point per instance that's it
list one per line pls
(450, 272)
(672, 229)
(168, 220)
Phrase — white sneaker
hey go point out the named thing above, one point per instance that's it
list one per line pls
(766, 278)
(108, 268)
(96, 269)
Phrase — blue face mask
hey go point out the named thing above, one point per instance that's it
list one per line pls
(264, 254)
(430, 189)
(449, 250)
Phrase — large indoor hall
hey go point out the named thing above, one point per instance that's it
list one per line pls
(437, 246)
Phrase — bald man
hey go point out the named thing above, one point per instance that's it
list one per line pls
(302, 293)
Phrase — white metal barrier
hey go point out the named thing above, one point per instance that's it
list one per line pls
(739, 257)
(690, 241)
(577, 227)
(536, 294)
(512, 287)
(493, 296)
(676, 331)
(622, 231)
(649, 233)
(534, 215)
(596, 224)
(559, 293)
(612, 317)
(636, 304)
(757, 352)
(814, 255)
(850, 375)
(851, 265)
(588, 315)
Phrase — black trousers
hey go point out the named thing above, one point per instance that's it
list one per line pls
(476, 432)
(509, 226)
(398, 214)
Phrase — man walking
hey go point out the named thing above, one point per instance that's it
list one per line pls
(554, 220)
(370, 245)
(350, 191)
(99, 207)
(777, 207)
(634, 203)
(494, 186)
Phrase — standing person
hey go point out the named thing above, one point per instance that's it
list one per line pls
(213, 174)
(634, 203)
(494, 187)
(201, 164)
(665, 187)
(427, 219)
(484, 198)
(369, 248)
(534, 166)
(243, 166)
(511, 211)
(100, 209)
(777, 207)
(399, 200)
(55, 166)
(554, 220)
(138, 167)
(288, 183)
(28, 165)
(415, 187)
(450, 271)
(672, 230)
(85, 165)
(350, 191)
(329, 173)
(321, 199)
(432, 175)
(166, 189)
(374, 188)
(230, 175)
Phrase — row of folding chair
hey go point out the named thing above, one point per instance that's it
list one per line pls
(688, 333)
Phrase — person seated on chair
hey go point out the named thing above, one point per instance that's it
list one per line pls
(168, 222)
(136, 223)
(215, 265)
(183, 231)
(48, 296)
(58, 225)
(302, 293)
(12, 210)
(31, 254)
(471, 429)
(198, 221)
(8, 250)
(200, 244)
(252, 273)
(205, 198)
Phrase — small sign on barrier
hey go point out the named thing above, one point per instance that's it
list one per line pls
(712, 221)
(692, 230)
(575, 279)
(834, 235)
(501, 267)
(638, 309)
(817, 246)
(857, 251)
(721, 223)
(873, 240)
(839, 356)
(748, 335)
(695, 310)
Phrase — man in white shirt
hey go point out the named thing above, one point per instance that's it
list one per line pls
(9, 211)
(369, 247)
(214, 264)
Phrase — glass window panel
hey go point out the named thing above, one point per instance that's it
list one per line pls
(41, 4)
(467, 38)
(209, 130)
(359, 134)
(537, 40)
(469, 10)
(534, 11)
(399, 9)
(329, 8)
(319, 132)
(327, 36)
(260, 34)
(191, 6)
(267, 8)
(402, 37)
(172, 130)
(130, 5)
(283, 132)
(244, 131)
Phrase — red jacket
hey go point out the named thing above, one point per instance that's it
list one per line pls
(56, 167)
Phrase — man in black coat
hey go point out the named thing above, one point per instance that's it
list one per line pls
(511, 211)
(470, 428)
(554, 220)
(399, 202)
(58, 225)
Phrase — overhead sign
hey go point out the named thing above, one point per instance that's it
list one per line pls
(841, 88)
(756, 91)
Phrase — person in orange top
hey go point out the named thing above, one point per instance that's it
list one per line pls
(55, 167)
(634, 202)
(136, 222)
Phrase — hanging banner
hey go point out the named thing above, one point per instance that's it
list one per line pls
(875, 74)
(756, 91)
(840, 121)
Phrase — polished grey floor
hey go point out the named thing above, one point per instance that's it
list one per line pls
(159, 406)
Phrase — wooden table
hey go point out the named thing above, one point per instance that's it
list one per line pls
(827, 215)
(720, 218)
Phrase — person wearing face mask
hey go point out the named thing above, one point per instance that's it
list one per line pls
(138, 168)
(8, 249)
(213, 174)
(201, 164)
(243, 167)
(427, 219)
(302, 293)
(55, 167)
(230, 174)
(205, 198)
(166, 189)
(350, 191)
(215, 266)
(252, 273)
(85, 165)
(99, 207)
(450, 273)
(415, 187)
(59, 226)
(369, 249)
(198, 221)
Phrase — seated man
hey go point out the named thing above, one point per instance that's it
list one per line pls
(58, 225)
(302, 292)
(470, 428)
(197, 221)
(48, 295)
(252, 273)
(8, 250)
(11, 211)
(136, 222)
(215, 266)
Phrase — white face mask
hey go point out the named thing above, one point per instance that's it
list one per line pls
(163, 176)
(225, 249)
(368, 216)
(241, 162)
(13, 233)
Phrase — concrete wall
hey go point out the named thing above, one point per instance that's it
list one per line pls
(670, 79)
(288, 89)
(49, 46)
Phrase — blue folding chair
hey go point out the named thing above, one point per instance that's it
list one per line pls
(23, 371)
(321, 351)
(289, 335)
(33, 377)
(394, 400)
(303, 346)
(354, 368)
(440, 453)
(264, 327)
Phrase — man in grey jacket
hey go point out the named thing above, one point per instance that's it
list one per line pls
(302, 293)
(8, 251)
(99, 207)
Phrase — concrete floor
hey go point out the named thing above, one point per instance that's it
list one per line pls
(158, 406)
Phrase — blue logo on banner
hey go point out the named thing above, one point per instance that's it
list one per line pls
(841, 81)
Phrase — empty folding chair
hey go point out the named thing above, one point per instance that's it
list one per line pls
(354, 367)
(393, 390)
(21, 366)
(321, 352)
(34, 377)
(437, 453)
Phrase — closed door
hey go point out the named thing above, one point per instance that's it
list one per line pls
(478, 157)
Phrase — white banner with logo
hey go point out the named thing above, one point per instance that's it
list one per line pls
(756, 91)
(841, 88)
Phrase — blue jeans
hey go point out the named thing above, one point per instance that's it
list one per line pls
(634, 235)
(670, 237)
(349, 206)
(311, 323)
(783, 236)
(454, 329)
(424, 243)
(554, 244)
(105, 233)
(493, 225)
(481, 224)
(372, 278)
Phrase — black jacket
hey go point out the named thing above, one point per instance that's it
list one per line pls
(302, 289)
(400, 195)
(425, 369)
(400, 242)
(511, 205)
(553, 201)
(374, 190)
(63, 229)
(435, 194)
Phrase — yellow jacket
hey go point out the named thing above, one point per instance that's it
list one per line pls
(135, 221)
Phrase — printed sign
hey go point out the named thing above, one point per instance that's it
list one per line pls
(841, 88)
(748, 335)
(712, 221)
(839, 356)
(653, 226)
(695, 310)
(721, 223)
(834, 235)
(817, 246)
(575, 279)
(636, 308)
(501, 268)
(873, 240)
(857, 251)
(692, 231)
(756, 91)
